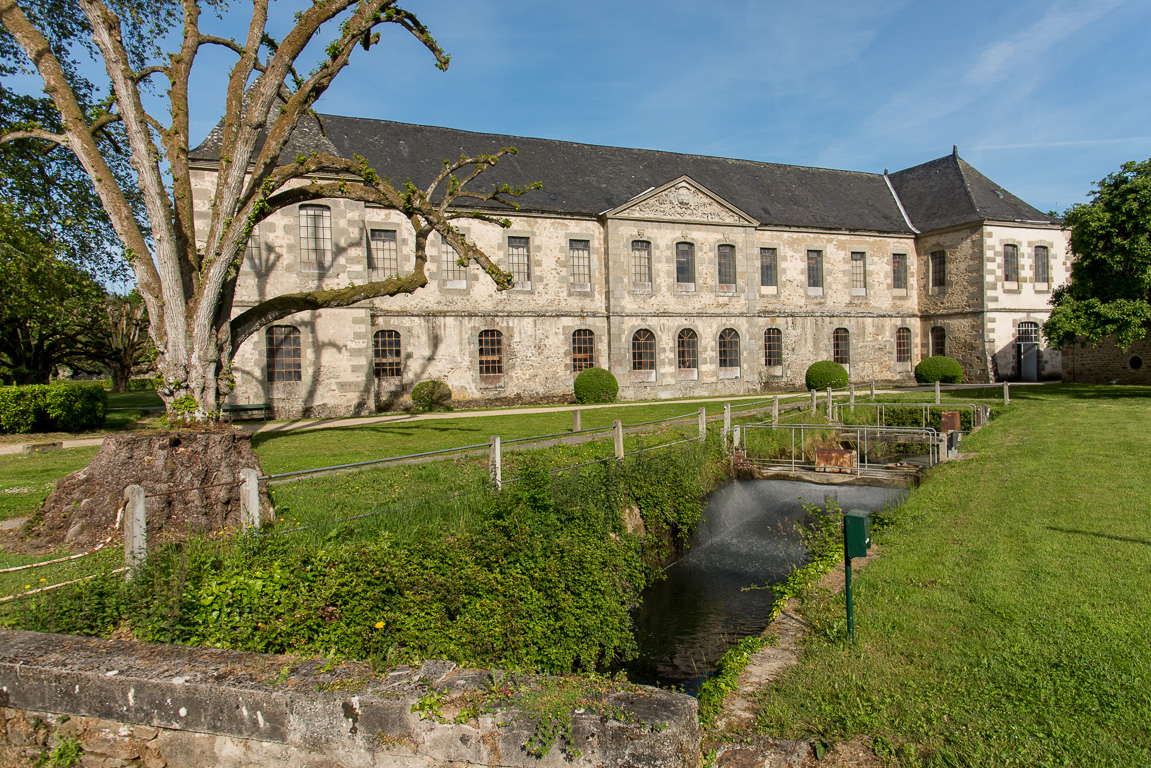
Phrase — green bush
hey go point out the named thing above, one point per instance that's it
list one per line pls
(595, 385)
(432, 395)
(939, 368)
(826, 374)
(52, 408)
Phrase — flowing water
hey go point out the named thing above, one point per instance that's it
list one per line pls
(747, 536)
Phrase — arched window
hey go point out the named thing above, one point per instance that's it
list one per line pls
(1028, 331)
(841, 346)
(938, 341)
(772, 347)
(685, 263)
(1011, 263)
(641, 263)
(583, 349)
(728, 348)
(491, 353)
(315, 236)
(687, 350)
(284, 353)
(903, 345)
(386, 361)
(643, 350)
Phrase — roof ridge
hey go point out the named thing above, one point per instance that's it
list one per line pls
(870, 174)
(959, 163)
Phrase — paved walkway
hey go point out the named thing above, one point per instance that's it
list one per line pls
(396, 418)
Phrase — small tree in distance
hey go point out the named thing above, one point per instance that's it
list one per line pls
(1109, 293)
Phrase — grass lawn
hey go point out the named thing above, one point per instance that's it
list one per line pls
(137, 398)
(1008, 621)
(27, 479)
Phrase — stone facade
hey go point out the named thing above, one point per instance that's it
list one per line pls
(1107, 363)
(614, 273)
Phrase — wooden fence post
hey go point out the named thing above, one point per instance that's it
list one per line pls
(873, 390)
(135, 529)
(702, 424)
(617, 425)
(851, 389)
(829, 403)
(495, 462)
(1006, 394)
(775, 410)
(937, 400)
(813, 405)
(576, 420)
(249, 499)
(735, 437)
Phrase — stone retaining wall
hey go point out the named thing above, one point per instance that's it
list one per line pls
(139, 704)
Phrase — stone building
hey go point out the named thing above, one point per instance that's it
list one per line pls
(682, 274)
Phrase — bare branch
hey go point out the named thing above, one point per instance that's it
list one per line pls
(16, 134)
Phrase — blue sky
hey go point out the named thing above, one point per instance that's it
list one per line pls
(1042, 97)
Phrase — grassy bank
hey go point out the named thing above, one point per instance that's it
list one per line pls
(1007, 621)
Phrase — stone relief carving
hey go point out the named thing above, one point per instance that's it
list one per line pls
(683, 202)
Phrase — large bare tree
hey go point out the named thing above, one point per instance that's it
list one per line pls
(186, 276)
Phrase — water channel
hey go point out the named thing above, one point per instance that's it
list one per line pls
(747, 536)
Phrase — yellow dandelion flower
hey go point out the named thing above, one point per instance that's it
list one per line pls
(379, 625)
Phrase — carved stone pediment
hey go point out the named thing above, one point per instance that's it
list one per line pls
(682, 200)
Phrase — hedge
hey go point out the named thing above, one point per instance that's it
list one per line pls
(52, 408)
(825, 374)
(595, 385)
(939, 368)
(433, 395)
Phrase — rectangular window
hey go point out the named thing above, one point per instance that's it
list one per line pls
(858, 272)
(384, 252)
(641, 264)
(579, 257)
(903, 345)
(491, 353)
(583, 350)
(283, 351)
(899, 271)
(252, 249)
(519, 253)
(726, 259)
(768, 267)
(1042, 265)
(315, 235)
(450, 261)
(1011, 263)
(939, 269)
(685, 263)
(815, 269)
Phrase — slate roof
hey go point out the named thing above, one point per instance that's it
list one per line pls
(589, 179)
(949, 191)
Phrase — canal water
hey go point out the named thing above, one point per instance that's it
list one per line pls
(748, 536)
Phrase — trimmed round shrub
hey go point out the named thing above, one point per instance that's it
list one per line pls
(826, 374)
(432, 395)
(595, 385)
(939, 368)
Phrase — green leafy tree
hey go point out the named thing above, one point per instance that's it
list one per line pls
(186, 270)
(48, 307)
(1110, 289)
(118, 341)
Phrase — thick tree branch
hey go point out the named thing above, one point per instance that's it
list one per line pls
(16, 134)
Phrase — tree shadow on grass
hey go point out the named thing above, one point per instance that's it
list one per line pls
(1078, 532)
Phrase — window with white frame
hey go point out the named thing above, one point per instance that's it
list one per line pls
(768, 267)
(519, 256)
(815, 269)
(579, 260)
(383, 249)
(725, 263)
(899, 271)
(858, 273)
(685, 264)
(939, 269)
(1010, 263)
(315, 236)
(641, 264)
(1042, 265)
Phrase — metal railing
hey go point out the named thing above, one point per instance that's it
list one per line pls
(980, 413)
(864, 436)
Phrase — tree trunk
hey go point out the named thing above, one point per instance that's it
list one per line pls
(121, 377)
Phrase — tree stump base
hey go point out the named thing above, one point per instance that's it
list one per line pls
(81, 511)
